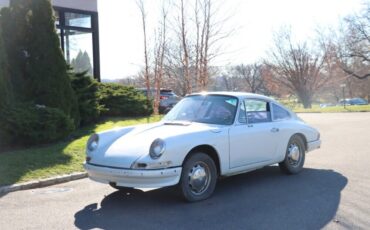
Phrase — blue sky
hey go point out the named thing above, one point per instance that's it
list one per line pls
(121, 40)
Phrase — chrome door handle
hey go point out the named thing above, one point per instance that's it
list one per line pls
(275, 130)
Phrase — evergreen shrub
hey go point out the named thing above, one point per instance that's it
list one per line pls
(120, 100)
(86, 90)
(29, 124)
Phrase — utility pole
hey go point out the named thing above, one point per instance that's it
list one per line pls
(344, 100)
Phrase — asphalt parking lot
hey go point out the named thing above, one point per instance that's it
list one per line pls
(333, 192)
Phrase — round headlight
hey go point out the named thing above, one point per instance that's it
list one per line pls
(157, 148)
(93, 142)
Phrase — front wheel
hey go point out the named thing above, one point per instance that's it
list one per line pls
(294, 157)
(198, 177)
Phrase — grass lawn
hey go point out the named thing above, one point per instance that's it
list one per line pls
(56, 159)
(333, 109)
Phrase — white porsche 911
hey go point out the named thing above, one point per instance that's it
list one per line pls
(205, 136)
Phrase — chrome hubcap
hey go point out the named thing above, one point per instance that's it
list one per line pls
(294, 154)
(199, 178)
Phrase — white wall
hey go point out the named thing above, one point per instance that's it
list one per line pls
(4, 3)
(90, 5)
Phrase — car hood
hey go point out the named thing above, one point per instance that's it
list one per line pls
(126, 149)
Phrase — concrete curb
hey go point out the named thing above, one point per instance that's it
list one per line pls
(42, 183)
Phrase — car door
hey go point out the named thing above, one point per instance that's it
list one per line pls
(254, 138)
(282, 120)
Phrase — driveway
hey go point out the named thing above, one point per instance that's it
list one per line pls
(332, 192)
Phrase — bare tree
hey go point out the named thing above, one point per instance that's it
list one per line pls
(210, 18)
(203, 49)
(298, 67)
(197, 45)
(141, 6)
(160, 49)
(191, 45)
(227, 81)
(230, 83)
(174, 69)
(354, 48)
(199, 35)
(252, 77)
(185, 48)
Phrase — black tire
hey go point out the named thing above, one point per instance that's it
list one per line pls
(195, 189)
(291, 165)
(122, 189)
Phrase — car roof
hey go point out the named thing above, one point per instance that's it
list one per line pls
(236, 94)
(242, 95)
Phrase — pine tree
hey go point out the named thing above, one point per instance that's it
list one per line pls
(15, 28)
(5, 86)
(33, 72)
(82, 63)
(49, 83)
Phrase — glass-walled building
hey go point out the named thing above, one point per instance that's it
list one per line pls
(78, 28)
(79, 38)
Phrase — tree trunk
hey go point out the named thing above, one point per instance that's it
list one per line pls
(306, 100)
(140, 4)
(185, 60)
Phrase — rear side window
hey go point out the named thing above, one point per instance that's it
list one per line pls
(279, 113)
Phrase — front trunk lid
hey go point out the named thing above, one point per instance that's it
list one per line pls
(125, 150)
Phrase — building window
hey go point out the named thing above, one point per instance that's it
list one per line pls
(79, 36)
(79, 20)
(78, 46)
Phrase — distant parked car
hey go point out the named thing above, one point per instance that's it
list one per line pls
(358, 101)
(204, 137)
(168, 99)
(325, 105)
(345, 101)
(354, 101)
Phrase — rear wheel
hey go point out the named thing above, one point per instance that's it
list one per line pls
(198, 177)
(294, 157)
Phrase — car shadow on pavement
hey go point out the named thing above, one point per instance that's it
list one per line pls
(262, 199)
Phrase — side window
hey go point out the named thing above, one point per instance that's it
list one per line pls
(242, 114)
(258, 111)
(279, 113)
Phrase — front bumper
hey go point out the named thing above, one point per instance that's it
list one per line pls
(155, 178)
(313, 145)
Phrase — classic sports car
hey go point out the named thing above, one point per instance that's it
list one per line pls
(205, 136)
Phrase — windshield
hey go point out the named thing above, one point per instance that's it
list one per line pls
(211, 109)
